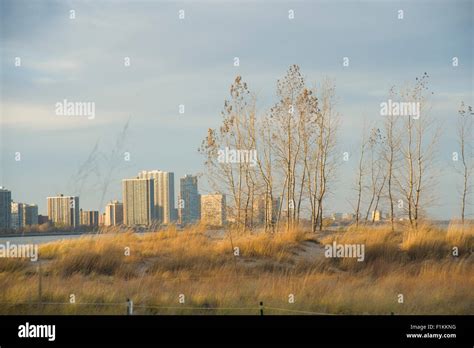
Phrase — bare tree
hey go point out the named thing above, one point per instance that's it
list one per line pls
(235, 178)
(378, 174)
(420, 138)
(326, 162)
(360, 174)
(295, 141)
(265, 165)
(288, 142)
(390, 156)
(308, 133)
(464, 135)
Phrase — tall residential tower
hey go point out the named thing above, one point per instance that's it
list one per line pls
(64, 210)
(30, 214)
(138, 202)
(189, 202)
(113, 214)
(5, 208)
(164, 194)
(16, 217)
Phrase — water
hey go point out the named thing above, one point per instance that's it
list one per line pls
(39, 239)
(42, 239)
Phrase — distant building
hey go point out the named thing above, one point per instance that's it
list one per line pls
(175, 215)
(265, 209)
(16, 216)
(138, 202)
(64, 210)
(348, 216)
(30, 214)
(89, 217)
(23, 214)
(113, 214)
(102, 219)
(376, 215)
(5, 208)
(163, 194)
(213, 209)
(189, 203)
(336, 216)
(42, 219)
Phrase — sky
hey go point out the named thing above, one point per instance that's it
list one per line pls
(189, 61)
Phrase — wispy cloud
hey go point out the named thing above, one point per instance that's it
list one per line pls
(191, 62)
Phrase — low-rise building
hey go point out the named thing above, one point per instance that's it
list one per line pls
(213, 209)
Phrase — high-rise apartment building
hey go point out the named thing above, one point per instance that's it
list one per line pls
(16, 216)
(30, 214)
(102, 219)
(138, 201)
(113, 214)
(64, 210)
(265, 209)
(89, 217)
(5, 208)
(23, 214)
(164, 194)
(189, 202)
(213, 209)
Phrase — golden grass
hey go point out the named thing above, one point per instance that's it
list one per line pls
(162, 265)
(432, 242)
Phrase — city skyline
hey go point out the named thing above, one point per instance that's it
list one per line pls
(187, 184)
(142, 210)
(147, 199)
(168, 179)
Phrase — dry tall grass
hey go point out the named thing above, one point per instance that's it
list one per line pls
(202, 266)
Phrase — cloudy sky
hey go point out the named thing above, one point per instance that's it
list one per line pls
(190, 62)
